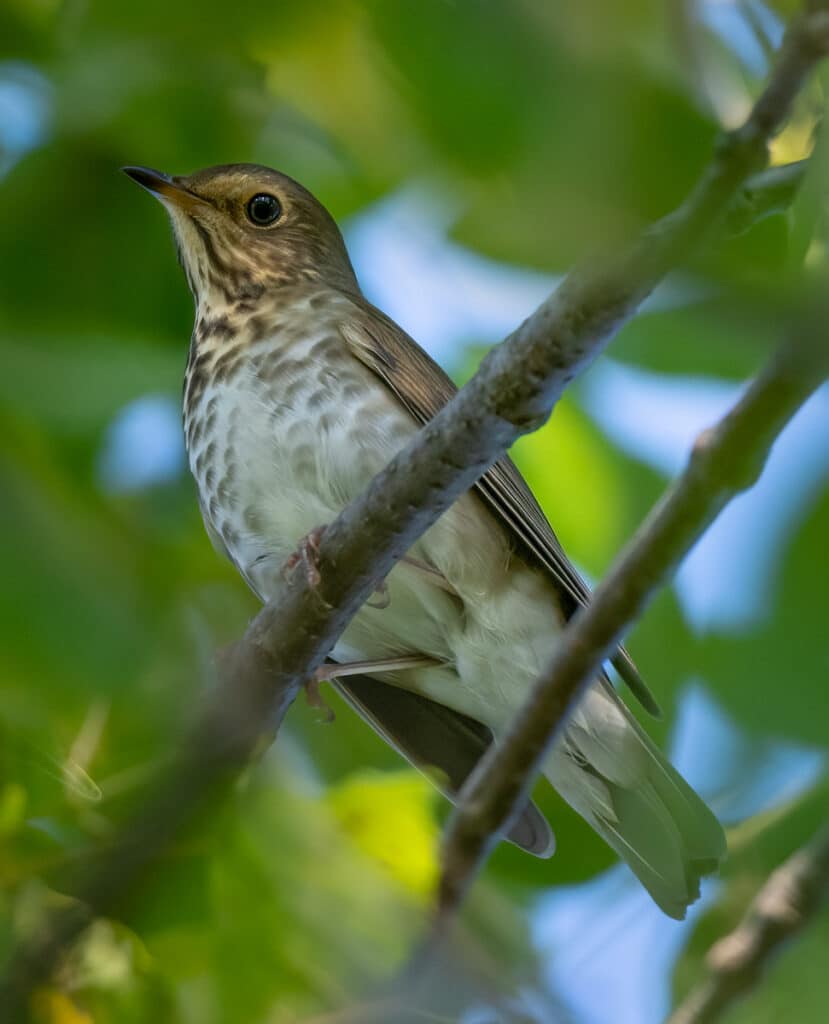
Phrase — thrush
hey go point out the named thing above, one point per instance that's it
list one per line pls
(297, 392)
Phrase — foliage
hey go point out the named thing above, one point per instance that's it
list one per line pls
(557, 128)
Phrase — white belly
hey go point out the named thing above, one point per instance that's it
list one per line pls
(292, 446)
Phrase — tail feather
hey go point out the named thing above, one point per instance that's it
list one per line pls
(609, 770)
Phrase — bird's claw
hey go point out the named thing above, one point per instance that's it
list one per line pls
(315, 699)
(307, 555)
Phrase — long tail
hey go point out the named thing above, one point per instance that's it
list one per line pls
(608, 770)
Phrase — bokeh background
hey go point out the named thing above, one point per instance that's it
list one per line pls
(472, 151)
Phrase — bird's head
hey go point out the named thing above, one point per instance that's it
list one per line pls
(243, 231)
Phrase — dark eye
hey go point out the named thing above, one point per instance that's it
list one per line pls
(264, 209)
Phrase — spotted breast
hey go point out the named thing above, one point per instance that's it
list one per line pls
(283, 427)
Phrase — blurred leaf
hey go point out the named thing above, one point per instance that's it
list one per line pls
(389, 817)
(54, 1007)
(706, 339)
(562, 128)
(577, 482)
(77, 384)
(771, 678)
(12, 807)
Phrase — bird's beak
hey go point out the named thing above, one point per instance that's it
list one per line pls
(162, 186)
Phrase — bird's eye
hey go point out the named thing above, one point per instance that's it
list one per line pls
(264, 209)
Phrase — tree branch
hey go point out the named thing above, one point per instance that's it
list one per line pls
(513, 392)
(788, 901)
(765, 194)
(725, 460)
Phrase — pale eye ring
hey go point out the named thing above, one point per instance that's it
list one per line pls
(263, 209)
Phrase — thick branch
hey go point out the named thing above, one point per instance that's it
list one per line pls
(725, 460)
(788, 901)
(514, 392)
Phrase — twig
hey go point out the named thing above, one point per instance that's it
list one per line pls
(788, 901)
(513, 393)
(765, 194)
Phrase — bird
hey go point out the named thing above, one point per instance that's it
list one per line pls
(297, 392)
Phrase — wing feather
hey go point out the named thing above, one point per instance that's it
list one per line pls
(424, 388)
(432, 736)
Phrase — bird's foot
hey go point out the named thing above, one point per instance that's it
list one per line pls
(315, 699)
(307, 555)
(337, 670)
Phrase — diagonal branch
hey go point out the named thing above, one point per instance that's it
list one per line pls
(790, 898)
(514, 391)
(726, 459)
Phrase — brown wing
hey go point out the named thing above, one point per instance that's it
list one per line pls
(424, 389)
(431, 736)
